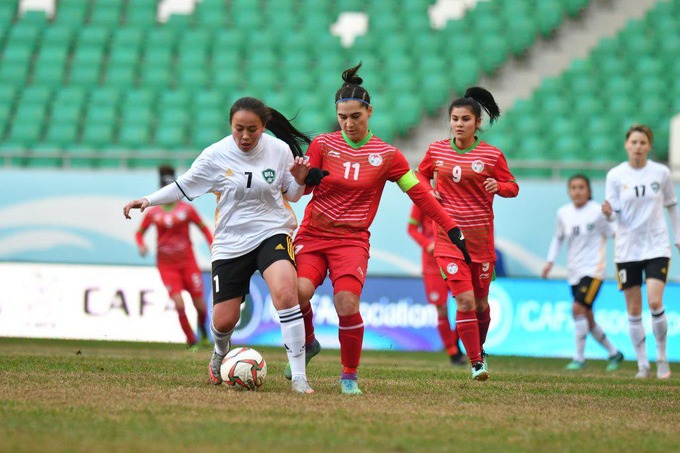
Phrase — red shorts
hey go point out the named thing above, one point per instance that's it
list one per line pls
(178, 277)
(346, 264)
(462, 277)
(436, 289)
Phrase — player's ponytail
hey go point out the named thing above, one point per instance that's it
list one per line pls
(477, 98)
(351, 89)
(275, 121)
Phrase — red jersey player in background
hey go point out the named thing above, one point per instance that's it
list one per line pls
(333, 235)
(467, 173)
(175, 255)
(422, 229)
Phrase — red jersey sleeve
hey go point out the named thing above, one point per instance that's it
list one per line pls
(196, 219)
(139, 235)
(426, 170)
(507, 186)
(415, 227)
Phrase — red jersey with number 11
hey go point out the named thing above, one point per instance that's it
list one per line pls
(460, 176)
(345, 203)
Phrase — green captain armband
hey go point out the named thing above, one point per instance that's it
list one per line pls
(407, 181)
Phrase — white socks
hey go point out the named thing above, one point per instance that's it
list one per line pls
(637, 336)
(221, 340)
(580, 332)
(601, 338)
(660, 328)
(293, 333)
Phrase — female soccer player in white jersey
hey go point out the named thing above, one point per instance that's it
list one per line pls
(333, 235)
(636, 193)
(586, 230)
(252, 174)
(467, 173)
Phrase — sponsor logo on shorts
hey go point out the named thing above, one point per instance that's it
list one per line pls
(375, 159)
(361, 272)
(485, 267)
(452, 268)
(279, 247)
(298, 248)
(484, 276)
(477, 166)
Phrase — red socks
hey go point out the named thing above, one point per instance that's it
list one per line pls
(351, 335)
(186, 327)
(449, 337)
(483, 320)
(307, 317)
(468, 330)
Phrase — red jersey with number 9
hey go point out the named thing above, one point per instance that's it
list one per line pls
(460, 176)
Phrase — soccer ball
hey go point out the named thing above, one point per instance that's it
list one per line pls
(243, 369)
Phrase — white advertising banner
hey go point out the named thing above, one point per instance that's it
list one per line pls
(88, 302)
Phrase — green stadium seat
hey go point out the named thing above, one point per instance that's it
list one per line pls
(98, 114)
(94, 36)
(143, 14)
(70, 96)
(25, 133)
(133, 134)
(170, 136)
(65, 113)
(202, 136)
(155, 76)
(106, 13)
(72, 12)
(97, 134)
(36, 95)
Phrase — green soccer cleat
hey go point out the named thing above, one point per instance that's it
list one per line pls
(575, 365)
(479, 371)
(615, 361)
(350, 387)
(310, 351)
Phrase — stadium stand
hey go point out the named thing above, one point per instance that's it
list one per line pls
(105, 84)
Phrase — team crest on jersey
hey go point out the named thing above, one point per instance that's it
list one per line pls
(375, 159)
(478, 166)
(590, 226)
(269, 175)
(452, 268)
(182, 216)
(655, 187)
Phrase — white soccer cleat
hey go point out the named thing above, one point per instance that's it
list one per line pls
(300, 385)
(643, 373)
(663, 370)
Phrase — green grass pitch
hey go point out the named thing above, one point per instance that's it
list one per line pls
(74, 395)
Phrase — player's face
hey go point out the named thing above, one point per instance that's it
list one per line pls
(353, 119)
(578, 192)
(637, 147)
(464, 124)
(246, 129)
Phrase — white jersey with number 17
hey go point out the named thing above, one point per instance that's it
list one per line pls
(638, 196)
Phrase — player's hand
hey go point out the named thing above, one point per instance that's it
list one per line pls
(300, 170)
(141, 204)
(315, 176)
(430, 248)
(491, 185)
(456, 236)
(606, 209)
(143, 250)
(546, 270)
(677, 244)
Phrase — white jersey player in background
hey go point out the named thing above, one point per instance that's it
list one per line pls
(585, 230)
(253, 176)
(636, 193)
